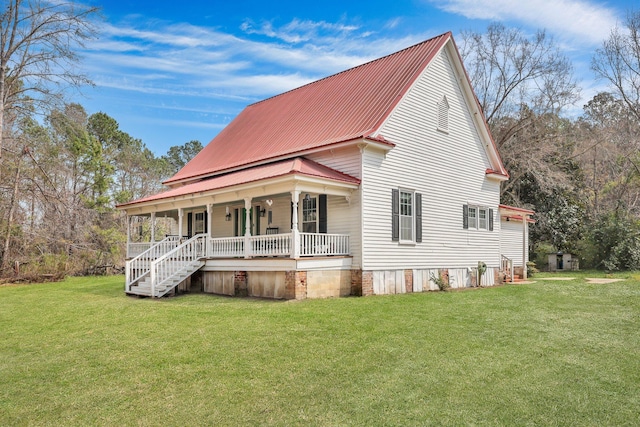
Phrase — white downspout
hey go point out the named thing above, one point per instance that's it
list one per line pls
(524, 247)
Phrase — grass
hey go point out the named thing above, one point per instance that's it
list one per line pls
(80, 352)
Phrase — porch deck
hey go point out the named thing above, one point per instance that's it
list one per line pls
(163, 265)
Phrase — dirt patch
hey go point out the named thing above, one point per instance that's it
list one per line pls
(559, 278)
(602, 281)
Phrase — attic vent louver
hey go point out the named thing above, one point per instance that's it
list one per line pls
(443, 114)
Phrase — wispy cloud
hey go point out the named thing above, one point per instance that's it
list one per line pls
(582, 21)
(166, 58)
(298, 31)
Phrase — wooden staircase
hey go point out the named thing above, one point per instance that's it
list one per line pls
(156, 277)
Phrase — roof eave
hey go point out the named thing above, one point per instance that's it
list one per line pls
(379, 142)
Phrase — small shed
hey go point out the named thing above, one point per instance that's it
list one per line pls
(560, 261)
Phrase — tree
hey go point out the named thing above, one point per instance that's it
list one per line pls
(508, 70)
(179, 155)
(618, 61)
(522, 84)
(38, 60)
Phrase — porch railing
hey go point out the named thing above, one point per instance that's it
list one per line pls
(271, 245)
(319, 244)
(135, 249)
(507, 266)
(226, 247)
(311, 244)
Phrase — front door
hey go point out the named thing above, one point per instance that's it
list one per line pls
(196, 223)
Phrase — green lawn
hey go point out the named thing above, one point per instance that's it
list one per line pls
(550, 353)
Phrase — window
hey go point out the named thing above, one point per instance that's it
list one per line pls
(406, 216)
(309, 215)
(482, 219)
(443, 114)
(473, 218)
(198, 226)
(477, 218)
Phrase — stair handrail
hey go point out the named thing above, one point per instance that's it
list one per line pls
(155, 250)
(509, 262)
(186, 252)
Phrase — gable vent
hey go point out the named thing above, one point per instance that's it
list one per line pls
(443, 114)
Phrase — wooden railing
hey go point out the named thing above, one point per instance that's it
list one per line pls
(319, 244)
(139, 265)
(271, 245)
(311, 244)
(171, 263)
(135, 249)
(226, 247)
(506, 265)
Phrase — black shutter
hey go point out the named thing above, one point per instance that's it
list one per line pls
(490, 219)
(465, 216)
(322, 213)
(395, 215)
(206, 221)
(257, 221)
(235, 223)
(291, 216)
(418, 217)
(190, 224)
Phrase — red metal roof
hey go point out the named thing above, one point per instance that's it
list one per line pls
(296, 166)
(345, 106)
(516, 209)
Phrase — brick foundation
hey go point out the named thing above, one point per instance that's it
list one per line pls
(295, 285)
(367, 283)
(289, 285)
(444, 275)
(240, 283)
(408, 281)
(301, 284)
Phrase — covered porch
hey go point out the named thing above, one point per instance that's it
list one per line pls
(295, 209)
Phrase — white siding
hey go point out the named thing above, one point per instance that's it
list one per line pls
(511, 241)
(346, 160)
(447, 168)
(344, 217)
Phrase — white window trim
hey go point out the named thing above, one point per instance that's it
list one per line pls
(412, 241)
(303, 222)
(477, 209)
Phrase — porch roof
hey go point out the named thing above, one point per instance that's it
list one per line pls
(298, 166)
(514, 213)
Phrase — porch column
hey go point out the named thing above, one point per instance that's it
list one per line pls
(295, 233)
(247, 227)
(209, 213)
(128, 235)
(153, 228)
(208, 244)
(180, 215)
(524, 246)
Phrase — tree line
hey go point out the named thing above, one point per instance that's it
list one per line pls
(62, 171)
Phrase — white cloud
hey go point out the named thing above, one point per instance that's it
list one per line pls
(582, 21)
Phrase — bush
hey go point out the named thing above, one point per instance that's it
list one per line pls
(615, 243)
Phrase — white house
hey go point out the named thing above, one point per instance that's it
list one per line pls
(380, 179)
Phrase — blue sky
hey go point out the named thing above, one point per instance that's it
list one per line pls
(170, 74)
